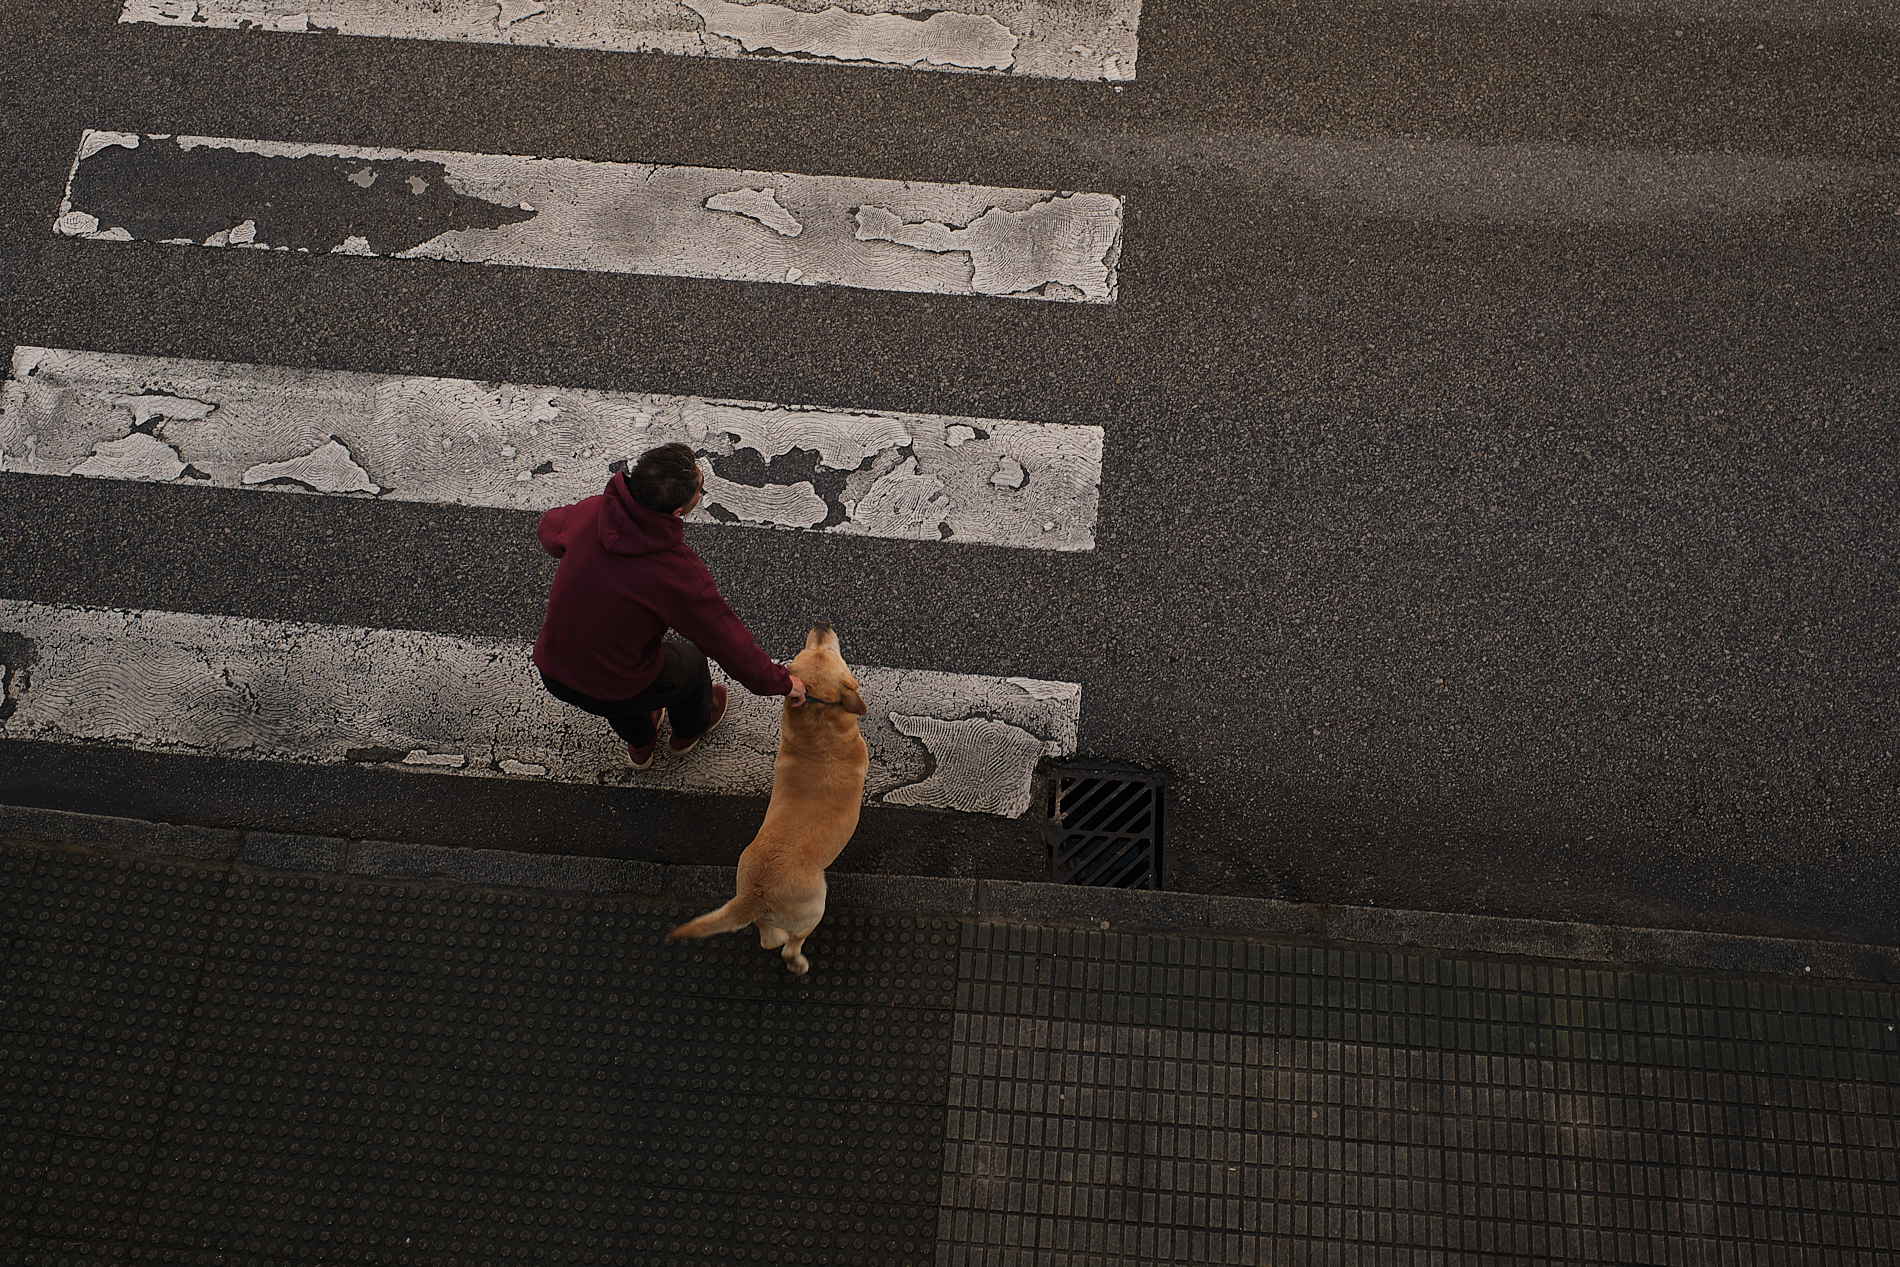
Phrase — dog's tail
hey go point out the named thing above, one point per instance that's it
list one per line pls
(734, 915)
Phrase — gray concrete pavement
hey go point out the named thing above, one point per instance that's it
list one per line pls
(341, 1055)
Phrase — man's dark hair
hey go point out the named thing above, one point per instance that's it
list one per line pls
(665, 478)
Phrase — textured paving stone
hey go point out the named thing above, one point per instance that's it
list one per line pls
(503, 868)
(17, 866)
(287, 1068)
(58, 1252)
(116, 1091)
(1122, 1099)
(108, 946)
(202, 1066)
(93, 1190)
(25, 1153)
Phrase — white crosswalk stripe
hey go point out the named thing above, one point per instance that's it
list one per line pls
(908, 476)
(1056, 39)
(598, 217)
(405, 700)
(327, 695)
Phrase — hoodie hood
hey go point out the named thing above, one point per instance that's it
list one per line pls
(626, 576)
(626, 527)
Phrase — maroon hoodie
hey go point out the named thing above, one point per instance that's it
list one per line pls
(626, 576)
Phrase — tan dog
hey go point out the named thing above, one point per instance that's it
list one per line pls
(817, 789)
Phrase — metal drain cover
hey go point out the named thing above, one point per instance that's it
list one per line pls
(1104, 827)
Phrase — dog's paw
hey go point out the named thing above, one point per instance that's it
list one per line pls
(798, 965)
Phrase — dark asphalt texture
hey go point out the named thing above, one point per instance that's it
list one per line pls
(1537, 564)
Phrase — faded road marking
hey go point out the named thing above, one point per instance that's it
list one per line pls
(982, 764)
(1063, 242)
(1050, 39)
(945, 38)
(596, 217)
(407, 700)
(759, 204)
(908, 476)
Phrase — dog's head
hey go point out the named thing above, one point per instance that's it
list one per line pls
(822, 669)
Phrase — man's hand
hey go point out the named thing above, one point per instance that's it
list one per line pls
(796, 695)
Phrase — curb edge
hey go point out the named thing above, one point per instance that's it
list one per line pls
(988, 901)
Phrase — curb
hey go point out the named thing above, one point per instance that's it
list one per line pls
(986, 901)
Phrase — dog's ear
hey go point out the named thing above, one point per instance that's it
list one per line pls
(852, 701)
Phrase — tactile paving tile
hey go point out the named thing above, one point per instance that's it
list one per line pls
(25, 1154)
(94, 1190)
(813, 1150)
(108, 946)
(37, 1072)
(410, 1073)
(117, 1091)
(17, 864)
(856, 960)
(54, 1252)
(225, 1200)
(176, 1256)
(112, 901)
(1661, 1119)
(739, 1228)
(695, 1044)
(90, 1108)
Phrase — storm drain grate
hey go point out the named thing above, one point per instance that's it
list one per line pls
(1104, 828)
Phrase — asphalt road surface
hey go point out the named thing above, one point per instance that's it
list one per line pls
(1497, 503)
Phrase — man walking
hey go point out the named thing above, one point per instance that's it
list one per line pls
(626, 575)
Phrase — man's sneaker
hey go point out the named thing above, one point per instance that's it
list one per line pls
(641, 758)
(673, 745)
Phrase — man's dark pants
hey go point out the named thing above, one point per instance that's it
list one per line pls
(683, 689)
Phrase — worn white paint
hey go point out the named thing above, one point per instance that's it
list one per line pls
(1047, 690)
(97, 139)
(981, 764)
(407, 700)
(135, 457)
(758, 204)
(1055, 39)
(1065, 242)
(971, 41)
(531, 448)
(327, 469)
(902, 503)
(147, 406)
(641, 218)
(842, 440)
(780, 505)
(509, 12)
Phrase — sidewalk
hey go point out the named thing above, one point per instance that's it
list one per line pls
(224, 1047)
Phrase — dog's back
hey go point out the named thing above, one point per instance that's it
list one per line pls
(817, 793)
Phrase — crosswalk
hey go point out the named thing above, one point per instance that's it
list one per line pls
(415, 701)
(302, 693)
(1053, 39)
(990, 481)
(597, 217)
